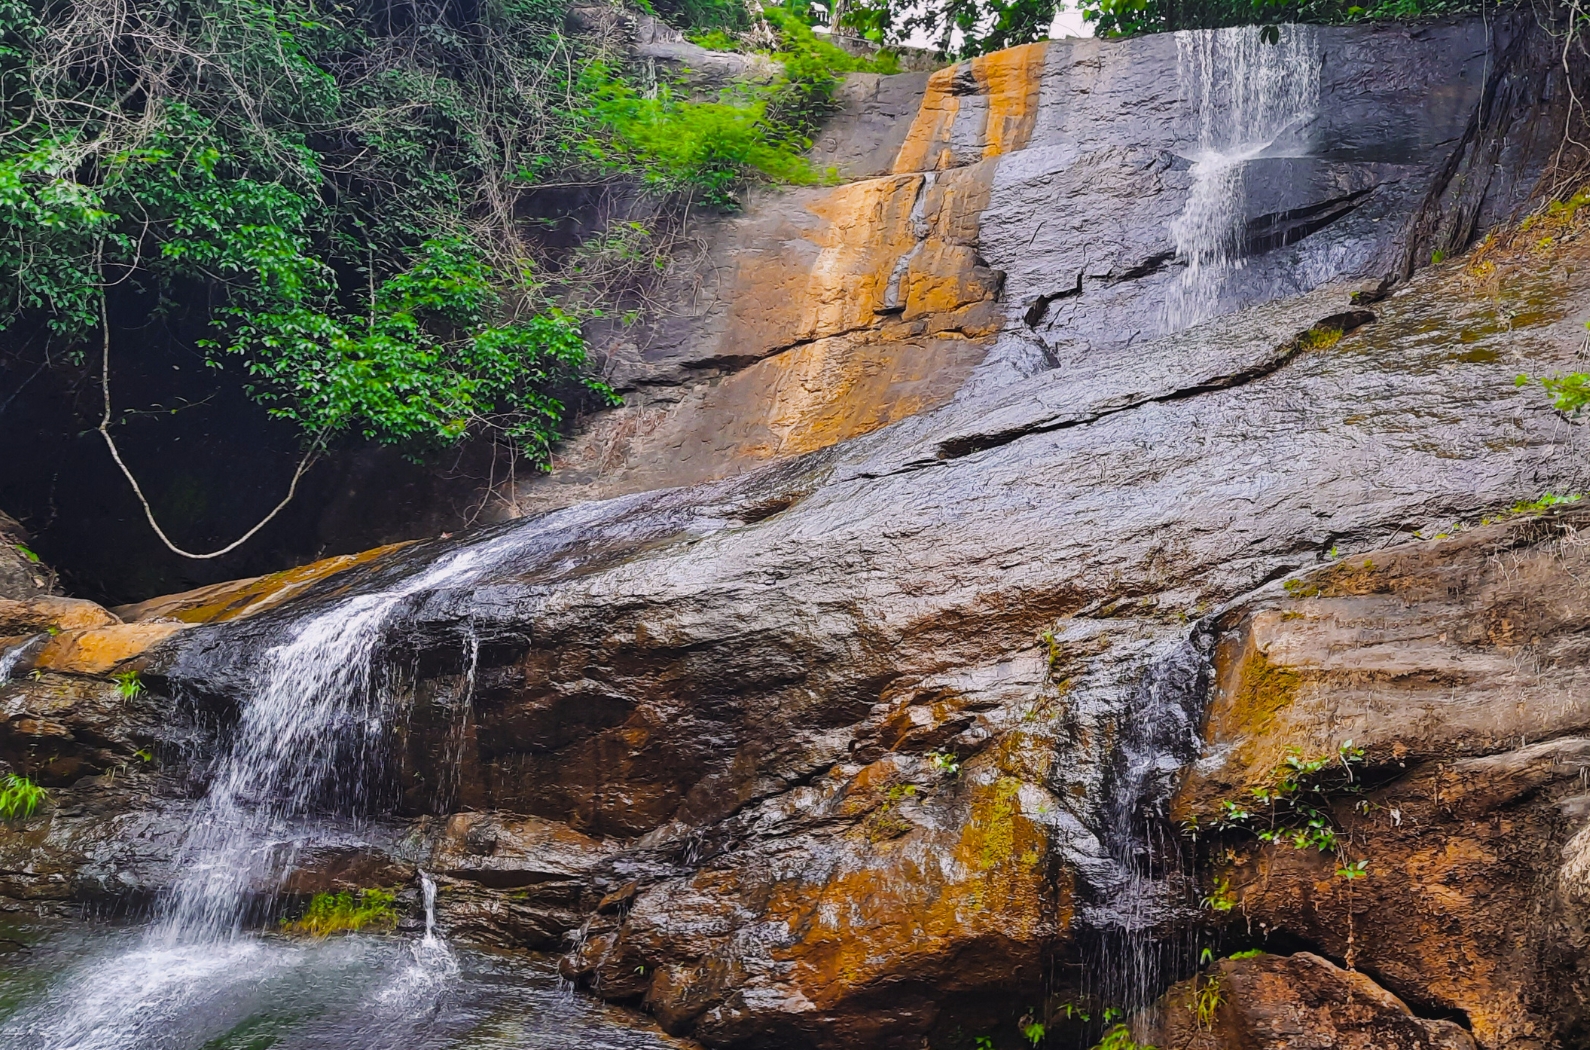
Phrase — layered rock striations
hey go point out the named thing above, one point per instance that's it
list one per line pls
(1018, 212)
(880, 730)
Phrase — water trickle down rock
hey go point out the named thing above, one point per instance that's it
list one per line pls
(703, 720)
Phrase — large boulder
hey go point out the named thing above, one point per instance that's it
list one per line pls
(1457, 666)
(1269, 1002)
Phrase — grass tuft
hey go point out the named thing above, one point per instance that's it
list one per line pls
(346, 912)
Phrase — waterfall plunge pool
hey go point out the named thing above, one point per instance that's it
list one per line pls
(80, 985)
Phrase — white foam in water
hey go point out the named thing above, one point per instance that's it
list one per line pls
(317, 716)
(1248, 94)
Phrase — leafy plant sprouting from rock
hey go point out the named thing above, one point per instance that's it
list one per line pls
(129, 685)
(1119, 1037)
(19, 796)
(1204, 998)
(1295, 806)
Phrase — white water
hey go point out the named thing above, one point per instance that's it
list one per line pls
(428, 887)
(1248, 93)
(13, 656)
(306, 737)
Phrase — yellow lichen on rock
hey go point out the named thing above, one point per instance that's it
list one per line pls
(98, 650)
(975, 893)
(235, 599)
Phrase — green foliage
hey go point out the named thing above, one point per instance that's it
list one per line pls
(1221, 898)
(1204, 999)
(679, 146)
(1569, 393)
(346, 912)
(129, 686)
(1133, 17)
(426, 365)
(19, 796)
(944, 762)
(1033, 1032)
(1250, 953)
(958, 28)
(29, 555)
(1119, 1037)
(1545, 503)
(1294, 805)
(339, 189)
(752, 130)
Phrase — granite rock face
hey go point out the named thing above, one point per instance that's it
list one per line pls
(880, 734)
(863, 745)
(1019, 212)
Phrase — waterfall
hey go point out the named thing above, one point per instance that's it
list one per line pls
(1248, 93)
(310, 734)
(1140, 933)
(309, 737)
(428, 888)
(13, 656)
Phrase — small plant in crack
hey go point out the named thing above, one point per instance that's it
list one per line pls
(1294, 805)
(1204, 999)
(944, 762)
(886, 821)
(19, 796)
(1221, 898)
(129, 685)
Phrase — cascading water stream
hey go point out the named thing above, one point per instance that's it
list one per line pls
(307, 739)
(13, 656)
(1137, 927)
(1248, 93)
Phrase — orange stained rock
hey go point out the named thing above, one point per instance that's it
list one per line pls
(977, 901)
(1008, 82)
(1012, 78)
(867, 228)
(838, 387)
(834, 389)
(31, 615)
(238, 598)
(926, 145)
(97, 650)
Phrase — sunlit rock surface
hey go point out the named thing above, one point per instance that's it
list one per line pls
(874, 731)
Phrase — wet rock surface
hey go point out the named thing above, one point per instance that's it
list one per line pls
(1272, 1002)
(884, 741)
(21, 574)
(1018, 213)
(1458, 666)
(741, 695)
